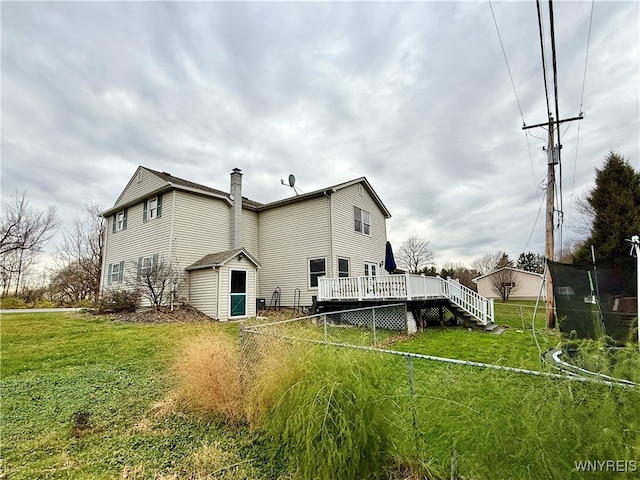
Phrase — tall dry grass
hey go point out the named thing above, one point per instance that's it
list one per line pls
(209, 376)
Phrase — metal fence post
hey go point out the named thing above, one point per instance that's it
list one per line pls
(324, 323)
(243, 358)
(413, 403)
(373, 314)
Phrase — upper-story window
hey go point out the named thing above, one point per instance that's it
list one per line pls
(152, 208)
(119, 221)
(362, 221)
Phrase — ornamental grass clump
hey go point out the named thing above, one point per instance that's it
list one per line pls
(208, 371)
(330, 422)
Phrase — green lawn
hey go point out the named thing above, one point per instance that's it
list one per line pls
(87, 397)
(84, 397)
(515, 347)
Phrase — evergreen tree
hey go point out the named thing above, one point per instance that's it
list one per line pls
(616, 203)
(531, 262)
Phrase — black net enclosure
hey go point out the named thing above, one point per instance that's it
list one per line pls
(593, 301)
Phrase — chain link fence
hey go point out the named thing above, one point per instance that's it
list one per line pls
(455, 420)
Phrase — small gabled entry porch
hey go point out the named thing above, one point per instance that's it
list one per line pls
(411, 289)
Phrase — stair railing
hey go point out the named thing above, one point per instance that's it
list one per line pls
(469, 300)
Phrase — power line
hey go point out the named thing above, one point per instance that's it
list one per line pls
(584, 81)
(515, 92)
(586, 59)
(544, 66)
(504, 53)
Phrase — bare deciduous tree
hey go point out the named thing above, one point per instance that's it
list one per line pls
(80, 254)
(460, 272)
(24, 231)
(415, 255)
(504, 282)
(157, 279)
(490, 261)
(583, 215)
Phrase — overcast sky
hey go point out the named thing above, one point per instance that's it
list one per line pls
(414, 96)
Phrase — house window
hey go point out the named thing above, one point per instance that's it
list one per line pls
(362, 221)
(343, 267)
(370, 269)
(120, 221)
(317, 269)
(152, 208)
(115, 273)
(146, 265)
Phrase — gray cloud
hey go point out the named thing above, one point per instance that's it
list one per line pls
(415, 96)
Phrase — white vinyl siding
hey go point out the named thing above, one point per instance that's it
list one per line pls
(142, 183)
(347, 243)
(527, 286)
(200, 226)
(137, 240)
(250, 232)
(203, 290)
(282, 238)
(289, 236)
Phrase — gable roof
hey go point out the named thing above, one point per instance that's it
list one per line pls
(220, 258)
(171, 182)
(517, 270)
(328, 190)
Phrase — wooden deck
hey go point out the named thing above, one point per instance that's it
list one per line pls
(406, 288)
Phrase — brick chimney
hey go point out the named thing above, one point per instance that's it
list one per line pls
(236, 210)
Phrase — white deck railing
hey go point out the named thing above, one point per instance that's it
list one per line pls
(406, 287)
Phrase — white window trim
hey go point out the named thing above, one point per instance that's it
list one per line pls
(153, 208)
(348, 266)
(246, 292)
(115, 272)
(365, 221)
(120, 221)
(147, 265)
(324, 274)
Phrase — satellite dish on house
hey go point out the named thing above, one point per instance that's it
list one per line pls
(292, 183)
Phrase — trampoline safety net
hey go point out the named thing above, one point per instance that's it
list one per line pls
(594, 301)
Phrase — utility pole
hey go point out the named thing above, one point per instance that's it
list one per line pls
(553, 158)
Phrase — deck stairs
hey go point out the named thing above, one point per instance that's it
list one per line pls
(473, 322)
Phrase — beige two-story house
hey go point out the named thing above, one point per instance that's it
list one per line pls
(230, 251)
